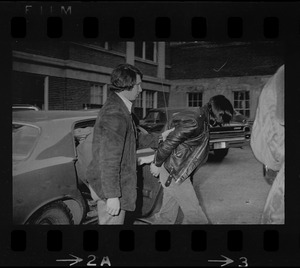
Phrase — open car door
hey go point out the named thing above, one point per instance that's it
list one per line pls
(149, 189)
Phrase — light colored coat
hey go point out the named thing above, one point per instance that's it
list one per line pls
(267, 143)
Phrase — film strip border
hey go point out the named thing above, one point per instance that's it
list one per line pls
(154, 246)
(172, 245)
(155, 21)
(55, 27)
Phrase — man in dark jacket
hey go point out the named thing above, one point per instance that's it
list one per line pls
(185, 149)
(111, 174)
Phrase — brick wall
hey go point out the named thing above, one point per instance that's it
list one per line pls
(57, 91)
(146, 68)
(77, 93)
(51, 48)
(97, 57)
(68, 94)
(27, 88)
(194, 61)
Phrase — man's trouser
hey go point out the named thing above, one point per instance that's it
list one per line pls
(179, 195)
(103, 216)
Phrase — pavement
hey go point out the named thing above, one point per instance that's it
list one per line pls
(232, 191)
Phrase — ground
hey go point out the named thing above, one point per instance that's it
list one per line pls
(232, 191)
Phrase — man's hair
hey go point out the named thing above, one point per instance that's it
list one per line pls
(222, 104)
(123, 77)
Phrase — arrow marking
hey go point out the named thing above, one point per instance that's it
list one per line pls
(76, 260)
(227, 260)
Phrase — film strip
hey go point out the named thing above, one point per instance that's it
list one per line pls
(230, 244)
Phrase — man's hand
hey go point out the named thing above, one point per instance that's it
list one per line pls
(166, 133)
(145, 159)
(154, 170)
(113, 206)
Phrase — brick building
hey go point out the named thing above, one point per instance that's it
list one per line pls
(74, 75)
(237, 70)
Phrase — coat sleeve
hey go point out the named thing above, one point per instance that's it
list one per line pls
(149, 140)
(184, 128)
(109, 140)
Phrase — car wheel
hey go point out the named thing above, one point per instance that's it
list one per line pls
(53, 214)
(220, 153)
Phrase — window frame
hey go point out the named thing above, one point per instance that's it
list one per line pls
(144, 48)
(102, 96)
(244, 101)
(198, 101)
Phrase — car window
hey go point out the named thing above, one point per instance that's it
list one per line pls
(23, 140)
(155, 117)
(82, 130)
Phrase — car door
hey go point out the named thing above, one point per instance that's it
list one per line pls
(149, 190)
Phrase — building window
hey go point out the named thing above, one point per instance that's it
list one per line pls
(146, 50)
(195, 99)
(138, 106)
(139, 101)
(149, 99)
(241, 102)
(97, 94)
(146, 101)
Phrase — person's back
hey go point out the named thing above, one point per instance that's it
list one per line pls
(186, 147)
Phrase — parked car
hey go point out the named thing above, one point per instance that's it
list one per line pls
(25, 107)
(46, 186)
(235, 134)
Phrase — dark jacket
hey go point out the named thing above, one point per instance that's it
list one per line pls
(187, 146)
(112, 171)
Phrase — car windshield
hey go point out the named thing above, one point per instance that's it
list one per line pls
(155, 117)
(23, 140)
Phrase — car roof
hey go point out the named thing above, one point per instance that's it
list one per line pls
(38, 116)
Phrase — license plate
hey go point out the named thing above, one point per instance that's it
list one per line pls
(220, 145)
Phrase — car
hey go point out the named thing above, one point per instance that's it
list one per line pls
(233, 135)
(47, 189)
(25, 107)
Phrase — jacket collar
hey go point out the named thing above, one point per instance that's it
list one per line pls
(116, 99)
(127, 102)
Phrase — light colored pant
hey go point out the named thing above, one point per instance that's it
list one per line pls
(104, 218)
(179, 195)
(274, 208)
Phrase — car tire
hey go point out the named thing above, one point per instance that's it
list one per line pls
(56, 213)
(219, 154)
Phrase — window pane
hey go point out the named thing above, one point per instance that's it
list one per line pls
(149, 99)
(23, 139)
(247, 95)
(139, 101)
(139, 49)
(96, 94)
(150, 51)
(195, 99)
